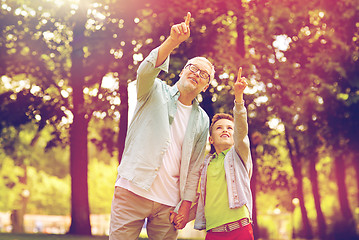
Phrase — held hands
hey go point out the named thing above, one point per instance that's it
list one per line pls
(176, 219)
(239, 86)
(180, 219)
(181, 32)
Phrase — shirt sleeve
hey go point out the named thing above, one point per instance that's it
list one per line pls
(241, 140)
(147, 72)
(194, 169)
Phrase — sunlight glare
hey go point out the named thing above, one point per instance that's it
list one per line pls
(275, 123)
(69, 117)
(35, 89)
(7, 82)
(282, 42)
(138, 57)
(261, 99)
(64, 93)
(109, 82)
(224, 76)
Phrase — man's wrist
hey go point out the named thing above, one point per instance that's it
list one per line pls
(173, 42)
(239, 101)
(186, 205)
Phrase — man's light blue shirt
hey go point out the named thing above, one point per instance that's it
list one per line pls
(148, 135)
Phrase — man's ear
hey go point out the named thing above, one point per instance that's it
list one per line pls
(205, 88)
(181, 73)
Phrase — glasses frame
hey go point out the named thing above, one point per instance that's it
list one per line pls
(203, 74)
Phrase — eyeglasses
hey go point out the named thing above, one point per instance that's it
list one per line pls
(203, 74)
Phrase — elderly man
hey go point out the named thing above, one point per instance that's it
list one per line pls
(164, 147)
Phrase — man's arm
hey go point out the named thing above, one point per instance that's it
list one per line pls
(192, 178)
(179, 33)
(155, 62)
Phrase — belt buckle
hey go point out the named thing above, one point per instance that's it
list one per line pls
(226, 228)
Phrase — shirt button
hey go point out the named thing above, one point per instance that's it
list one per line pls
(156, 169)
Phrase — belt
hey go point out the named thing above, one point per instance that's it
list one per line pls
(228, 227)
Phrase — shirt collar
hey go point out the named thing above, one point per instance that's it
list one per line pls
(215, 155)
(174, 91)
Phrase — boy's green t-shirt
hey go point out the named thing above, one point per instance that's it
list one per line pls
(217, 211)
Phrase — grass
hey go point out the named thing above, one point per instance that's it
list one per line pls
(29, 236)
(11, 236)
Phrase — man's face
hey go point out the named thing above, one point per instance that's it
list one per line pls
(222, 134)
(195, 81)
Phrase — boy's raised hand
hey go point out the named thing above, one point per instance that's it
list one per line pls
(239, 86)
(181, 32)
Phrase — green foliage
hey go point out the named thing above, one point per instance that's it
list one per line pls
(275, 172)
(49, 195)
(10, 187)
(308, 84)
(102, 179)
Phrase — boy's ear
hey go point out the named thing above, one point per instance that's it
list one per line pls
(210, 139)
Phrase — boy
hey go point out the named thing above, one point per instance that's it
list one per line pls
(225, 204)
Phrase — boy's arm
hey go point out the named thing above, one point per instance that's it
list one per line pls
(241, 140)
(239, 86)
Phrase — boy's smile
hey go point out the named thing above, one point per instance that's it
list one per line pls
(222, 135)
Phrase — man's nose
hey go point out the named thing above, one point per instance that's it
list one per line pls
(197, 73)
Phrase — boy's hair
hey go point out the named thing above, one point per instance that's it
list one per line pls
(217, 117)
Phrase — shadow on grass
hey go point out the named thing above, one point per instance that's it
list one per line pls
(11, 236)
(29, 236)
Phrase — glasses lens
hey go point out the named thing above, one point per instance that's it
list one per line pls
(202, 74)
(193, 68)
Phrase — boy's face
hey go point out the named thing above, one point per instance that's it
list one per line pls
(222, 135)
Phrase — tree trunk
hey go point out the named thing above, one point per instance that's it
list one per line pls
(123, 118)
(240, 30)
(307, 229)
(322, 227)
(17, 215)
(80, 212)
(297, 169)
(17, 221)
(342, 190)
(312, 156)
(355, 162)
(207, 104)
(254, 193)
